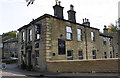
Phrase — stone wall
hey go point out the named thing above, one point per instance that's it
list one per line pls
(100, 65)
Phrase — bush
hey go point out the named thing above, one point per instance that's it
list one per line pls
(9, 61)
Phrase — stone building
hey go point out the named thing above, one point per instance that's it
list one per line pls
(115, 41)
(10, 48)
(1, 46)
(55, 38)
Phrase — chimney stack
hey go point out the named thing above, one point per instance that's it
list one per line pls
(58, 10)
(105, 30)
(86, 22)
(71, 14)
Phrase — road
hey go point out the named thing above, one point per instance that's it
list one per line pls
(12, 71)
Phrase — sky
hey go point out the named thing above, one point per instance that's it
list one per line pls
(15, 13)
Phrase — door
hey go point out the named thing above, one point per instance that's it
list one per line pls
(29, 60)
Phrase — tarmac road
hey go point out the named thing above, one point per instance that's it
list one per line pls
(12, 71)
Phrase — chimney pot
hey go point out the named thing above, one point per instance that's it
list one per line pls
(59, 2)
(83, 20)
(71, 7)
(87, 20)
(105, 26)
(56, 2)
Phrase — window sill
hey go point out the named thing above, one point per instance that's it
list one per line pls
(69, 40)
(79, 40)
(36, 39)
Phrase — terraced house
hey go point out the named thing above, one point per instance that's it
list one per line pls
(55, 38)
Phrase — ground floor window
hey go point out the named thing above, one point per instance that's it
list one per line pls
(105, 55)
(94, 54)
(61, 47)
(80, 54)
(110, 54)
(36, 57)
(70, 55)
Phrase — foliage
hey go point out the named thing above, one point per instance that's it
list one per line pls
(8, 35)
(112, 28)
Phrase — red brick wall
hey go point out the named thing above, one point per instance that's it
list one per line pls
(100, 65)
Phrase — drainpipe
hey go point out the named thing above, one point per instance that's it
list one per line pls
(86, 43)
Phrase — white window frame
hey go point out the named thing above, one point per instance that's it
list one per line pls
(36, 34)
(93, 36)
(68, 33)
(23, 36)
(30, 34)
(79, 34)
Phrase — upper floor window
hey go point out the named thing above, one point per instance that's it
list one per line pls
(36, 45)
(110, 41)
(79, 34)
(80, 54)
(23, 36)
(30, 34)
(68, 33)
(37, 31)
(94, 54)
(104, 41)
(92, 36)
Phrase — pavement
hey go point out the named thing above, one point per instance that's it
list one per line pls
(13, 70)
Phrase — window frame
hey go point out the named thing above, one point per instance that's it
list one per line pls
(61, 47)
(37, 32)
(92, 36)
(23, 36)
(70, 57)
(104, 41)
(30, 32)
(105, 55)
(94, 54)
(111, 54)
(36, 58)
(69, 33)
(80, 54)
(79, 35)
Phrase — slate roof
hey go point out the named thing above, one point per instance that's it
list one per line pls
(48, 15)
(105, 35)
(11, 40)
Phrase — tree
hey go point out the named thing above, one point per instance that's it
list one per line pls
(8, 35)
(114, 28)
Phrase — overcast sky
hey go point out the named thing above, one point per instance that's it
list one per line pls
(15, 14)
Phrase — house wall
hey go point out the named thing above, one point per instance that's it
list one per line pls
(30, 46)
(84, 66)
(53, 29)
(58, 28)
(106, 48)
(115, 43)
(1, 47)
(10, 48)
